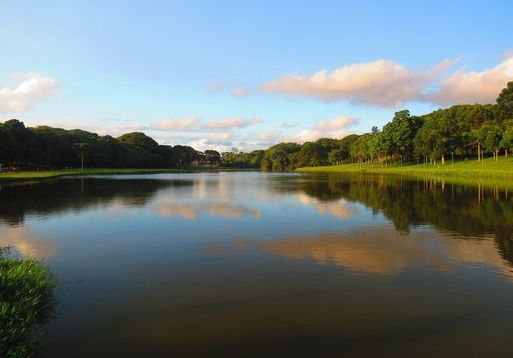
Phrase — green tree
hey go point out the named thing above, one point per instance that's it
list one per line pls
(505, 102)
(213, 156)
(312, 154)
(402, 132)
(507, 140)
(492, 135)
(435, 139)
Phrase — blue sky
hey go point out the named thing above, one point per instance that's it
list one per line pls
(246, 74)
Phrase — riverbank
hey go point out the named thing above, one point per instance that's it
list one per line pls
(488, 171)
(47, 174)
(25, 304)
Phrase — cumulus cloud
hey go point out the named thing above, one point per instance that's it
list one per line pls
(176, 124)
(240, 92)
(341, 122)
(387, 83)
(33, 87)
(381, 83)
(185, 125)
(269, 136)
(236, 122)
(473, 86)
(335, 128)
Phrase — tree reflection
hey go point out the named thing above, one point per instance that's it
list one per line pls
(51, 197)
(469, 211)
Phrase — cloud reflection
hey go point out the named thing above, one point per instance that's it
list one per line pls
(233, 211)
(24, 241)
(380, 251)
(194, 211)
(340, 208)
(171, 209)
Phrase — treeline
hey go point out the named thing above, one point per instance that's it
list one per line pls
(45, 147)
(460, 131)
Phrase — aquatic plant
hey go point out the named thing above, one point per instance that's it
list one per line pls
(26, 302)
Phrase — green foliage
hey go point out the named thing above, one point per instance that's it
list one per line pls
(212, 157)
(25, 303)
(243, 160)
(45, 147)
(507, 138)
(505, 102)
(492, 137)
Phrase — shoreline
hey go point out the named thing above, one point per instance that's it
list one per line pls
(52, 174)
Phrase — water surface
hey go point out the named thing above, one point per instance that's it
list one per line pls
(258, 264)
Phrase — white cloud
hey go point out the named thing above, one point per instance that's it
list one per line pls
(381, 83)
(387, 83)
(240, 92)
(335, 128)
(472, 86)
(269, 136)
(33, 87)
(233, 123)
(182, 124)
(210, 130)
(220, 137)
(341, 122)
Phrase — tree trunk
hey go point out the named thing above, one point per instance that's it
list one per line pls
(478, 151)
(443, 160)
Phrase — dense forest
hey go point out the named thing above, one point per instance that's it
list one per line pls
(458, 132)
(46, 147)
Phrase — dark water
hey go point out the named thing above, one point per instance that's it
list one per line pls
(258, 265)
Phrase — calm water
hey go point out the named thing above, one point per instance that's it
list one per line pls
(256, 265)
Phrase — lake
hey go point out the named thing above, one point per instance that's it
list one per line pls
(259, 264)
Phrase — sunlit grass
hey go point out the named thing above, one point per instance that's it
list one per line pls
(487, 171)
(25, 175)
(25, 303)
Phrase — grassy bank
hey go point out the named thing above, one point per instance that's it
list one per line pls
(25, 303)
(45, 174)
(469, 171)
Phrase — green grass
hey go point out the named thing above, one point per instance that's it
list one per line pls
(25, 303)
(46, 174)
(488, 171)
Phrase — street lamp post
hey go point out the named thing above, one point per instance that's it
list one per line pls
(81, 147)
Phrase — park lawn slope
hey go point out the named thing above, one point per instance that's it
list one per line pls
(487, 171)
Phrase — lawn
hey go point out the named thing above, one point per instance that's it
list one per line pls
(487, 171)
(44, 174)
